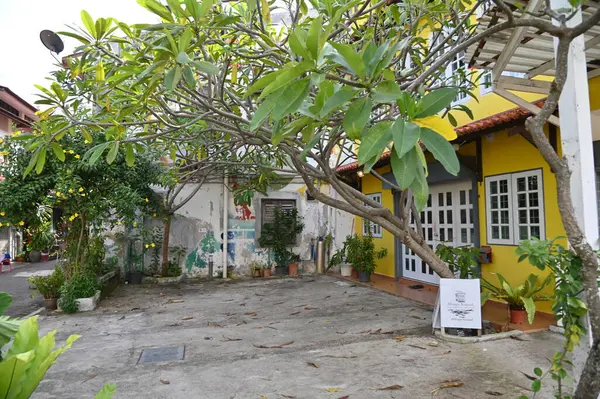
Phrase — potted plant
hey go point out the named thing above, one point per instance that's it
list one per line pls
(340, 258)
(266, 271)
(80, 293)
(293, 266)
(48, 287)
(521, 300)
(41, 240)
(362, 255)
(280, 235)
(20, 257)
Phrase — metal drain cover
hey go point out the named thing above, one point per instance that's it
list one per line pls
(166, 354)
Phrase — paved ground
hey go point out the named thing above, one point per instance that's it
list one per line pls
(307, 338)
(15, 283)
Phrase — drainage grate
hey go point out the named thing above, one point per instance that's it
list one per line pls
(167, 354)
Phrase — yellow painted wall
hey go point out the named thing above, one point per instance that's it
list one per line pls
(505, 154)
(372, 185)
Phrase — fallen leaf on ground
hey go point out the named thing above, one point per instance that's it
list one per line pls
(415, 317)
(175, 301)
(88, 378)
(417, 346)
(433, 344)
(445, 353)
(166, 382)
(288, 396)
(121, 318)
(187, 318)
(295, 313)
(340, 332)
(333, 390)
(448, 384)
(301, 306)
(250, 313)
(517, 338)
(309, 308)
(532, 378)
(279, 303)
(390, 388)
(494, 393)
(344, 397)
(227, 339)
(213, 324)
(174, 325)
(274, 346)
(313, 364)
(132, 309)
(399, 338)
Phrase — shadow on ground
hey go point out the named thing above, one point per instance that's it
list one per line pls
(289, 338)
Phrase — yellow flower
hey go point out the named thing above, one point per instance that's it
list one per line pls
(134, 224)
(58, 194)
(1, 141)
(77, 156)
(21, 223)
(83, 195)
(70, 191)
(7, 224)
(147, 246)
(71, 152)
(119, 222)
(154, 214)
(86, 141)
(16, 133)
(152, 245)
(1, 225)
(2, 213)
(146, 199)
(80, 189)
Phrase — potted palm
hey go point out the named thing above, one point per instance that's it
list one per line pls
(340, 258)
(48, 287)
(279, 236)
(362, 254)
(41, 240)
(521, 300)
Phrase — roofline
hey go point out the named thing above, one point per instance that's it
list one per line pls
(15, 95)
(469, 131)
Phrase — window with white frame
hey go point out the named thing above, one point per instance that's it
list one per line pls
(369, 227)
(485, 82)
(514, 207)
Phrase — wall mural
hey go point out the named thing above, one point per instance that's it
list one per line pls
(200, 256)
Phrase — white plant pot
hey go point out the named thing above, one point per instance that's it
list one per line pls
(346, 269)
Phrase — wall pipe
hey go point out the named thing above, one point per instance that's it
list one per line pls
(225, 227)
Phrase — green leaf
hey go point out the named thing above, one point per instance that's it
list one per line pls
(129, 155)
(357, 116)
(297, 45)
(186, 37)
(22, 137)
(368, 166)
(405, 135)
(264, 110)
(436, 101)
(94, 153)
(188, 76)
(112, 153)
(373, 141)
(193, 8)
(338, 99)
(206, 67)
(420, 189)
(310, 146)
(74, 36)
(106, 392)
(404, 168)
(88, 22)
(5, 301)
(529, 304)
(452, 120)
(285, 78)
(8, 328)
(32, 162)
(173, 77)
(536, 385)
(156, 8)
(538, 371)
(39, 166)
(291, 98)
(58, 151)
(346, 55)
(312, 40)
(387, 91)
(441, 149)
(24, 341)
(86, 135)
(182, 58)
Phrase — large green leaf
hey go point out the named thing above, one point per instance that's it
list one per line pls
(339, 98)
(205, 67)
(94, 153)
(291, 98)
(387, 91)
(41, 161)
(15, 367)
(405, 136)
(24, 340)
(357, 116)
(173, 77)
(88, 22)
(285, 78)
(529, 304)
(420, 189)
(156, 8)
(5, 301)
(312, 40)
(8, 328)
(298, 45)
(345, 55)
(368, 166)
(58, 151)
(404, 168)
(441, 149)
(373, 141)
(310, 145)
(263, 111)
(112, 153)
(436, 101)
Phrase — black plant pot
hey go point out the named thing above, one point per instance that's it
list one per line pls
(35, 256)
(282, 271)
(135, 277)
(364, 277)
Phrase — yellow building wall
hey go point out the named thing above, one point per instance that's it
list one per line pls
(501, 154)
(372, 185)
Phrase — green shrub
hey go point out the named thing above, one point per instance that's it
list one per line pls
(174, 270)
(79, 286)
(361, 253)
(48, 286)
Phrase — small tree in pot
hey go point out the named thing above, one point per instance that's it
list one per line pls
(280, 235)
(48, 287)
(41, 241)
(362, 254)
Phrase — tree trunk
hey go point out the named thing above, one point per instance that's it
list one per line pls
(165, 247)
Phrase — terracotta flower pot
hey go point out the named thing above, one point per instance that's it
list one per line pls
(354, 273)
(517, 316)
(50, 303)
(266, 272)
(44, 257)
(293, 269)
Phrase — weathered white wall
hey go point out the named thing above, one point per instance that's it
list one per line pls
(198, 226)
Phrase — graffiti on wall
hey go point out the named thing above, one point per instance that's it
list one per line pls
(201, 255)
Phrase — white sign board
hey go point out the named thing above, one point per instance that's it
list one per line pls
(460, 303)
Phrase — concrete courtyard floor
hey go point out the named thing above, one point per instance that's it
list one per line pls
(282, 338)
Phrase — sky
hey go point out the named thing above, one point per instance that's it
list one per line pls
(24, 61)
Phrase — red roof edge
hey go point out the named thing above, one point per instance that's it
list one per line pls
(15, 95)
(511, 115)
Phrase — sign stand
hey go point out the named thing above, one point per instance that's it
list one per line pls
(458, 305)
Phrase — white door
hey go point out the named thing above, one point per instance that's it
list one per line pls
(447, 218)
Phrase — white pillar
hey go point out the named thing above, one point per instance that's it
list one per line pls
(225, 224)
(577, 146)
